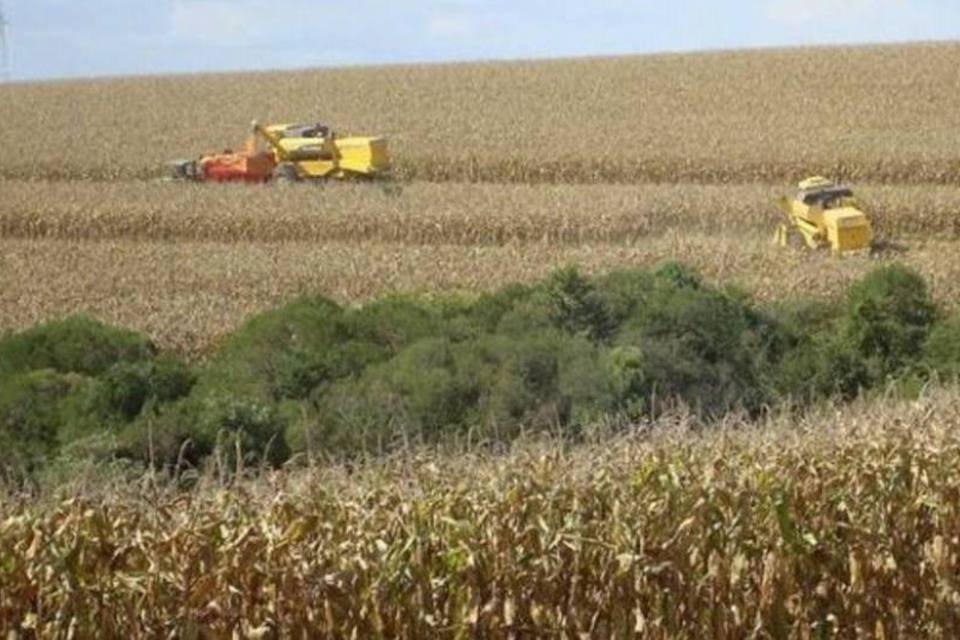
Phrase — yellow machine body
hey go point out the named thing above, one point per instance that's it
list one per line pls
(315, 152)
(826, 214)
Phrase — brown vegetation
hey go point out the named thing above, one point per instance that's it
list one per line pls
(82, 230)
(882, 114)
(186, 295)
(842, 523)
(433, 214)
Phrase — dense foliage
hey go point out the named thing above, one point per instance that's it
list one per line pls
(560, 356)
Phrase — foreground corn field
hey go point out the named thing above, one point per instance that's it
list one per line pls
(843, 523)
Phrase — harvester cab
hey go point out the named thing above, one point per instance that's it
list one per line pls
(825, 214)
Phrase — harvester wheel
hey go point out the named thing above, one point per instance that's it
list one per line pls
(286, 174)
(183, 170)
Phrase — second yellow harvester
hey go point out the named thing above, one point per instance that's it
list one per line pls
(826, 214)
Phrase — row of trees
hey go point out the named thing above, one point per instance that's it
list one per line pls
(562, 355)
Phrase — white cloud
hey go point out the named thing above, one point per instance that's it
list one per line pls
(803, 11)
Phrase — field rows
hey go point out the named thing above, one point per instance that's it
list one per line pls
(187, 263)
(880, 114)
(431, 214)
(840, 523)
(483, 169)
(187, 294)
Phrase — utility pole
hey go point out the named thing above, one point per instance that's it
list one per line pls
(4, 47)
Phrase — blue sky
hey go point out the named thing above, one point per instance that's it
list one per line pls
(70, 38)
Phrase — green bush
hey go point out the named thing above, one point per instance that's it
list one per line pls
(942, 349)
(575, 306)
(77, 344)
(491, 386)
(397, 321)
(544, 381)
(30, 416)
(889, 316)
(191, 429)
(120, 395)
(557, 355)
(705, 347)
(488, 310)
(289, 352)
(275, 355)
(679, 275)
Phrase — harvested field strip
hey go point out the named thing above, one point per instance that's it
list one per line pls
(531, 171)
(430, 214)
(844, 521)
(186, 295)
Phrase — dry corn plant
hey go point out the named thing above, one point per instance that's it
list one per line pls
(842, 523)
(884, 114)
(432, 214)
(187, 295)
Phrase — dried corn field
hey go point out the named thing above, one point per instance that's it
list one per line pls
(882, 114)
(840, 524)
(187, 263)
(422, 214)
(188, 294)
(506, 170)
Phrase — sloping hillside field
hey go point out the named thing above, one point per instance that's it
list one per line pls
(505, 169)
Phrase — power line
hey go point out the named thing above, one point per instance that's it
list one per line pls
(4, 47)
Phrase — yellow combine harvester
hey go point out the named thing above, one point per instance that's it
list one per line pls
(295, 152)
(826, 215)
(314, 151)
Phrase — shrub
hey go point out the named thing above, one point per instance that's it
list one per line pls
(555, 356)
(488, 310)
(629, 379)
(575, 306)
(195, 426)
(544, 381)
(277, 354)
(76, 344)
(708, 348)
(30, 417)
(678, 275)
(942, 349)
(396, 321)
(889, 315)
(492, 386)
